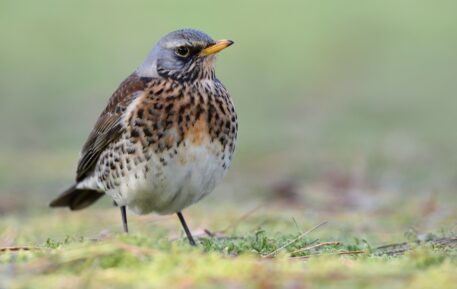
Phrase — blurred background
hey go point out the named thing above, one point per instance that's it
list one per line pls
(345, 107)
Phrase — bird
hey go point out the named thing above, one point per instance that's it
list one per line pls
(166, 137)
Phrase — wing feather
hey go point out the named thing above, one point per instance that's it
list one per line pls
(109, 127)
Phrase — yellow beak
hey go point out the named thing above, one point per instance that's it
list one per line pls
(216, 47)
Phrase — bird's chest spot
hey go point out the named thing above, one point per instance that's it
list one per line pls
(198, 132)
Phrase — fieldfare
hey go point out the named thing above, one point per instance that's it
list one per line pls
(166, 137)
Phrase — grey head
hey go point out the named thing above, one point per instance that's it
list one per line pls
(183, 55)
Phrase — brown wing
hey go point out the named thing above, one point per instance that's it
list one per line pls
(108, 127)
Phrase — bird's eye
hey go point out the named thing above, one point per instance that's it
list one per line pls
(182, 51)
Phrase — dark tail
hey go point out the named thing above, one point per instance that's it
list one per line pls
(76, 199)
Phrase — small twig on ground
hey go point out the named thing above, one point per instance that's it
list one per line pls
(392, 249)
(209, 233)
(18, 248)
(353, 253)
(294, 240)
(316, 246)
(401, 248)
(446, 241)
(337, 254)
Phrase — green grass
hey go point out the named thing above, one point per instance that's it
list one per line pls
(347, 115)
(248, 254)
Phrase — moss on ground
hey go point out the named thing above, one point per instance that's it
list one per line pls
(245, 256)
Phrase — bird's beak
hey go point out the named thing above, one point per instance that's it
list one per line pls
(216, 47)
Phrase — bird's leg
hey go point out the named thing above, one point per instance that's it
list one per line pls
(186, 229)
(124, 217)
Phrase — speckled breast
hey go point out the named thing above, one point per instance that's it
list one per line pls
(177, 146)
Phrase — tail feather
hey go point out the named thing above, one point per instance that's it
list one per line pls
(76, 199)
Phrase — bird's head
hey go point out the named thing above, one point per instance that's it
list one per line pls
(183, 55)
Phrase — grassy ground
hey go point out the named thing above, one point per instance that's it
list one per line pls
(273, 245)
(347, 119)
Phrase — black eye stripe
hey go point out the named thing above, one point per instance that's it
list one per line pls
(185, 51)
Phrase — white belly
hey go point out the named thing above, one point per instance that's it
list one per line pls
(184, 179)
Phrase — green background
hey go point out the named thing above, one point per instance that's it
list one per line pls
(347, 113)
(317, 85)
